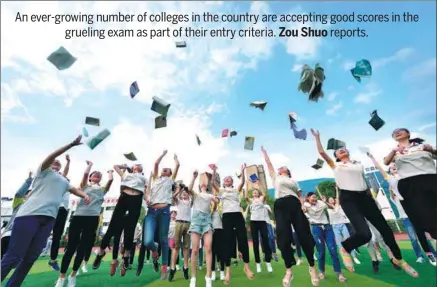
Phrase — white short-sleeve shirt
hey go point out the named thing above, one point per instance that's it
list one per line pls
(350, 176)
(285, 186)
(414, 161)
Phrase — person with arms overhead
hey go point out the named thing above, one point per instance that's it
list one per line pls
(35, 219)
(288, 211)
(158, 214)
(84, 223)
(359, 206)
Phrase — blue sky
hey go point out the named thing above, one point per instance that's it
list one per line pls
(210, 85)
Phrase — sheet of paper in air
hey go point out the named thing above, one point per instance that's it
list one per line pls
(299, 134)
(249, 142)
(364, 149)
(85, 132)
(160, 106)
(134, 90)
(160, 122)
(362, 69)
(253, 177)
(61, 59)
(259, 104)
(130, 156)
(292, 117)
(375, 121)
(311, 82)
(198, 140)
(335, 144)
(92, 121)
(225, 133)
(97, 139)
(181, 44)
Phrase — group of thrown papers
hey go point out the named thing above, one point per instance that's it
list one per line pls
(310, 83)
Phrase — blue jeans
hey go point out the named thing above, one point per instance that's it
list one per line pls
(322, 234)
(341, 233)
(414, 238)
(271, 238)
(157, 218)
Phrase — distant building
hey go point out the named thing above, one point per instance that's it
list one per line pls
(6, 209)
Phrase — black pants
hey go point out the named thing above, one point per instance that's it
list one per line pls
(359, 206)
(58, 230)
(218, 249)
(257, 228)
(80, 239)
(288, 211)
(420, 201)
(132, 253)
(90, 250)
(230, 221)
(116, 244)
(126, 203)
(5, 244)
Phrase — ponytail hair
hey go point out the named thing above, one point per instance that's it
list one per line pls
(417, 141)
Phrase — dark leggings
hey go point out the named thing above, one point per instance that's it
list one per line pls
(119, 222)
(116, 245)
(218, 245)
(58, 230)
(288, 211)
(132, 253)
(80, 239)
(420, 201)
(359, 206)
(90, 250)
(5, 244)
(257, 228)
(235, 220)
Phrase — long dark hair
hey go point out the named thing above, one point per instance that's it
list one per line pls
(413, 140)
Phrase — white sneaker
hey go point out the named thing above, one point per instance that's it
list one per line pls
(60, 282)
(299, 261)
(420, 260)
(269, 267)
(148, 262)
(213, 275)
(178, 268)
(315, 257)
(222, 275)
(431, 259)
(193, 282)
(200, 267)
(379, 257)
(71, 281)
(208, 282)
(84, 268)
(258, 267)
(356, 261)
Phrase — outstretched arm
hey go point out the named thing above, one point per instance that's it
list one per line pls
(51, 157)
(243, 178)
(176, 167)
(86, 174)
(110, 180)
(193, 180)
(25, 187)
(67, 166)
(321, 150)
(269, 164)
(157, 162)
(120, 169)
(378, 166)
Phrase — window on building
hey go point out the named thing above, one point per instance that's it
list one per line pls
(110, 207)
(105, 223)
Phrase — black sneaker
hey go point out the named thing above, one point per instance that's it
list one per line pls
(431, 259)
(171, 274)
(395, 266)
(375, 266)
(140, 268)
(185, 270)
(155, 265)
(98, 260)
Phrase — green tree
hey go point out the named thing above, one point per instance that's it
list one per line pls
(327, 188)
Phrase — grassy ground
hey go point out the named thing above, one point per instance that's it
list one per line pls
(41, 275)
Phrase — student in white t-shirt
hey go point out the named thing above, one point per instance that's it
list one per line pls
(359, 206)
(416, 168)
(416, 236)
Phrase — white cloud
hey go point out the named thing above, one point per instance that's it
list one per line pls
(366, 97)
(297, 68)
(335, 108)
(399, 56)
(332, 96)
(421, 71)
(427, 126)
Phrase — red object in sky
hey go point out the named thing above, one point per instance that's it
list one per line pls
(225, 133)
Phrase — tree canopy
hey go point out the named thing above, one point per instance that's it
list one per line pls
(327, 188)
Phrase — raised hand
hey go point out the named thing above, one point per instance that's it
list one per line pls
(67, 157)
(195, 173)
(164, 152)
(175, 157)
(243, 167)
(89, 162)
(369, 155)
(263, 150)
(315, 133)
(77, 142)
(30, 174)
